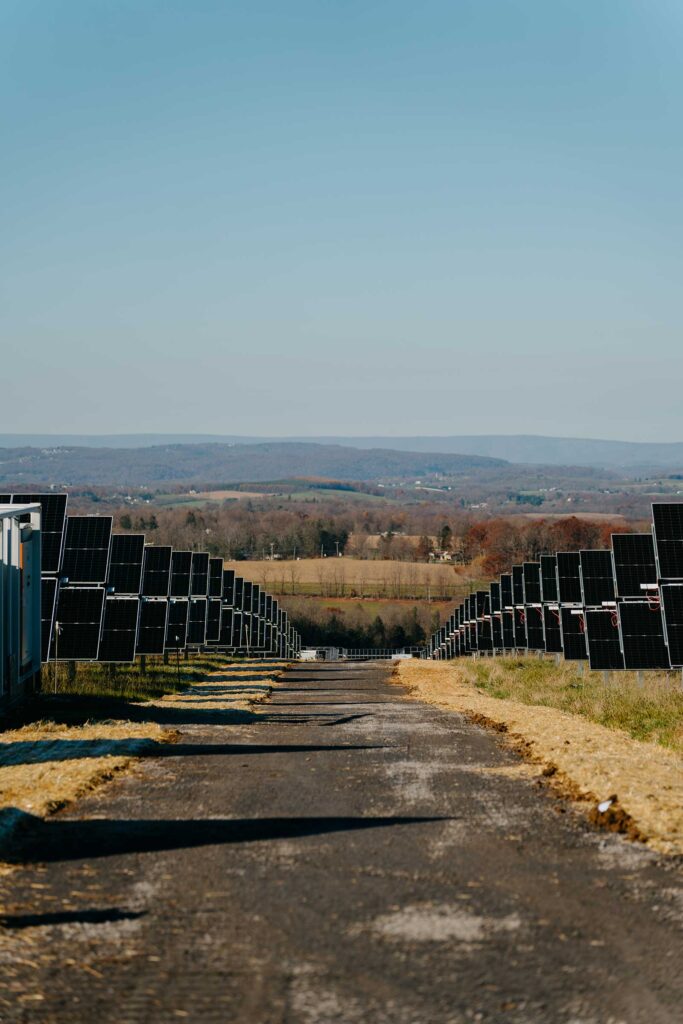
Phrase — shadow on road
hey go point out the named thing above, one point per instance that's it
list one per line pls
(16, 922)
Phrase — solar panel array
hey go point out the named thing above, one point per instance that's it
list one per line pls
(110, 597)
(618, 608)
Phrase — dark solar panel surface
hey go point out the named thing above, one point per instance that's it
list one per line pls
(48, 596)
(518, 584)
(52, 518)
(230, 587)
(495, 597)
(602, 634)
(532, 582)
(520, 628)
(119, 629)
(668, 528)
(484, 638)
(634, 563)
(497, 632)
(238, 591)
(229, 627)
(642, 635)
(176, 625)
(199, 580)
(213, 620)
(672, 606)
(569, 577)
(551, 630)
(535, 640)
(597, 577)
(125, 563)
(156, 571)
(196, 622)
(573, 635)
(215, 577)
(506, 590)
(548, 578)
(181, 569)
(79, 614)
(152, 627)
(86, 549)
(482, 603)
(508, 631)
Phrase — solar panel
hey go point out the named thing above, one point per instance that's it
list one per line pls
(53, 514)
(642, 635)
(569, 577)
(672, 607)
(156, 571)
(597, 577)
(573, 624)
(497, 632)
(549, 578)
(532, 582)
(495, 597)
(535, 640)
(518, 584)
(552, 631)
(482, 603)
(228, 627)
(230, 587)
(668, 530)
(48, 597)
(520, 627)
(508, 631)
(484, 635)
(181, 569)
(86, 549)
(199, 579)
(506, 590)
(152, 626)
(213, 620)
(176, 624)
(125, 564)
(196, 621)
(238, 591)
(602, 635)
(215, 577)
(79, 618)
(635, 567)
(119, 629)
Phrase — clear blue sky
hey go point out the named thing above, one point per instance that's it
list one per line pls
(342, 217)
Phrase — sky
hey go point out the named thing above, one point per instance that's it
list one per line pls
(342, 217)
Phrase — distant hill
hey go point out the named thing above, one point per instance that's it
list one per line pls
(165, 465)
(519, 448)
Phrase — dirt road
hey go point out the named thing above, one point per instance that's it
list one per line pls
(344, 855)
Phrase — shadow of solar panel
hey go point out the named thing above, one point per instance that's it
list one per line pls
(597, 577)
(520, 627)
(119, 629)
(518, 584)
(196, 621)
(573, 626)
(52, 519)
(199, 579)
(176, 624)
(602, 636)
(635, 568)
(213, 620)
(532, 582)
(86, 549)
(552, 630)
(642, 635)
(48, 598)
(78, 622)
(569, 577)
(181, 569)
(156, 571)
(535, 640)
(668, 532)
(508, 630)
(125, 563)
(152, 626)
(672, 607)
(549, 578)
(216, 577)
(506, 590)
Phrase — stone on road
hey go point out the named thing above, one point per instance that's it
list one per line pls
(345, 855)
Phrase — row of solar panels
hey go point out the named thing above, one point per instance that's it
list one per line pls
(109, 597)
(618, 609)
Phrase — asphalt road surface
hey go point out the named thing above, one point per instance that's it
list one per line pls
(345, 856)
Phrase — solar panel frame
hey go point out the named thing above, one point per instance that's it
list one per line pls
(156, 570)
(152, 623)
(635, 563)
(573, 630)
(79, 616)
(213, 620)
(215, 577)
(181, 571)
(597, 577)
(196, 621)
(531, 580)
(199, 574)
(549, 592)
(506, 590)
(641, 629)
(176, 624)
(52, 522)
(87, 544)
(603, 639)
(518, 584)
(125, 563)
(552, 629)
(533, 620)
(508, 630)
(668, 533)
(520, 627)
(119, 629)
(569, 577)
(494, 591)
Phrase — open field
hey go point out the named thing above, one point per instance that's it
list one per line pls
(587, 736)
(355, 577)
(198, 498)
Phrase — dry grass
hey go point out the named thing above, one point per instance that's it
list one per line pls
(577, 731)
